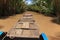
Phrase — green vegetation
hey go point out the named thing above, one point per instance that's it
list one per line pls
(45, 6)
(18, 6)
(11, 7)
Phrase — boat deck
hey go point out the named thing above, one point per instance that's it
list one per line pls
(24, 28)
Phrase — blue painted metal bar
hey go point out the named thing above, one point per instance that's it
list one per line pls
(44, 36)
(1, 32)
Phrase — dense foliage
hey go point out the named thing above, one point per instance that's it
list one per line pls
(45, 6)
(10, 7)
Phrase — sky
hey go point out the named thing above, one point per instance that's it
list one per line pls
(28, 2)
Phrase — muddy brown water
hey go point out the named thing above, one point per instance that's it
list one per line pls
(44, 23)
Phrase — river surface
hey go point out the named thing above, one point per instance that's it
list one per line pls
(44, 24)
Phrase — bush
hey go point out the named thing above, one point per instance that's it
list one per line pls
(45, 6)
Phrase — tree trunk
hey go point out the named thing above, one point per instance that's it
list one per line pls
(57, 7)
